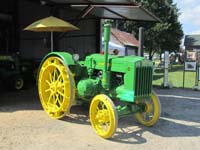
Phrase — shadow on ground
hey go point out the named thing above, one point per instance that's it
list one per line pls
(78, 115)
(179, 118)
(27, 99)
(131, 132)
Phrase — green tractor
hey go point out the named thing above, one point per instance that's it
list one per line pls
(114, 86)
(11, 75)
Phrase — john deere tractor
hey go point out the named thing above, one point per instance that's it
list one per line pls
(114, 86)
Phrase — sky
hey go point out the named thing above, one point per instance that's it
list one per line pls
(190, 15)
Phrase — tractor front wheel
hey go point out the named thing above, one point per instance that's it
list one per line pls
(56, 87)
(103, 116)
(151, 111)
(18, 83)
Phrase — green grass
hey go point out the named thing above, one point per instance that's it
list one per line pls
(175, 77)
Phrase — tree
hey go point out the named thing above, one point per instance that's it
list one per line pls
(162, 36)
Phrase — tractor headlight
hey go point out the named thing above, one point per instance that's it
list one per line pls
(75, 57)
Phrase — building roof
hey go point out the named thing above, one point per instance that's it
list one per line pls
(192, 40)
(109, 9)
(125, 38)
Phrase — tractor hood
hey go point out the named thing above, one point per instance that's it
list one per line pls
(116, 63)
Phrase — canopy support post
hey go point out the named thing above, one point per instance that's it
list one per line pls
(51, 41)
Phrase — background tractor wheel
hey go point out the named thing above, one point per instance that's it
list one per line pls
(56, 87)
(15, 82)
(18, 83)
(103, 116)
(152, 110)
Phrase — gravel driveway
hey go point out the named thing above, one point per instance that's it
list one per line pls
(25, 126)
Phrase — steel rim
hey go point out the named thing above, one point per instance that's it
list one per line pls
(55, 86)
(103, 116)
(152, 110)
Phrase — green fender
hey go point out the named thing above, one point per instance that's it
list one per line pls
(65, 57)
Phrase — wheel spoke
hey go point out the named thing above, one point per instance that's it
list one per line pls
(150, 114)
(54, 75)
(60, 93)
(50, 77)
(60, 85)
(48, 82)
(58, 78)
(48, 90)
(58, 101)
(147, 116)
(53, 99)
(57, 74)
(49, 99)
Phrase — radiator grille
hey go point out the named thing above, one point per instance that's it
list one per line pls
(143, 81)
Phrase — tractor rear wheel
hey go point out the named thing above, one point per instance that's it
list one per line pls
(152, 110)
(103, 116)
(56, 87)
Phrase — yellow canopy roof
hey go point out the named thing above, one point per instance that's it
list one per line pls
(51, 24)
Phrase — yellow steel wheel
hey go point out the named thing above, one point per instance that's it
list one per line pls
(56, 87)
(152, 110)
(103, 116)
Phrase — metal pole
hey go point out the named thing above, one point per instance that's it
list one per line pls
(196, 78)
(184, 76)
(166, 67)
(51, 41)
(141, 42)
